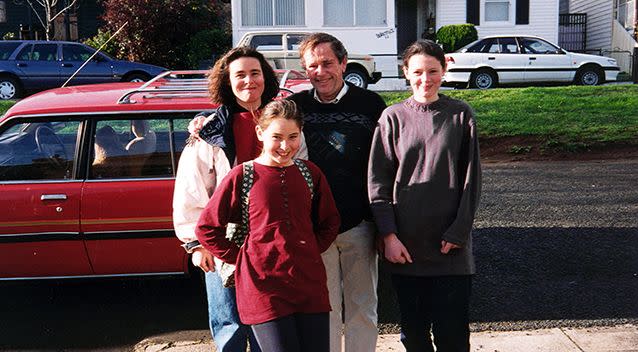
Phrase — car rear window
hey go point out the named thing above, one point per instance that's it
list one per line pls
(6, 49)
(266, 43)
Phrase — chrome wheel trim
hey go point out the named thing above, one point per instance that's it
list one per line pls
(589, 78)
(355, 79)
(7, 90)
(484, 80)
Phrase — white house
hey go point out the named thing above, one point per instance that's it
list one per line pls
(610, 25)
(383, 28)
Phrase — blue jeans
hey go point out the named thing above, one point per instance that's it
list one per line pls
(229, 333)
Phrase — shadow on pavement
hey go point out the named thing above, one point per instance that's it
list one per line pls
(523, 274)
(526, 274)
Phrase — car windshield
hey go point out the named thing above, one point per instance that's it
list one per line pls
(6, 49)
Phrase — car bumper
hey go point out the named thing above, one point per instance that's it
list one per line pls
(611, 74)
(376, 76)
(456, 77)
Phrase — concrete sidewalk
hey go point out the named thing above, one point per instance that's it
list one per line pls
(623, 338)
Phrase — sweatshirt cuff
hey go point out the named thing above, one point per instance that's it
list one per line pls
(384, 217)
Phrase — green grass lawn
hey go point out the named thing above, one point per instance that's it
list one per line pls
(570, 114)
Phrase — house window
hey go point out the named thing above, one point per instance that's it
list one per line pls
(624, 13)
(3, 12)
(349, 13)
(497, 11)
(272, 13)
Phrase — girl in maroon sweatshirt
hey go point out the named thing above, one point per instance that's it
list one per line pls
(280, 278)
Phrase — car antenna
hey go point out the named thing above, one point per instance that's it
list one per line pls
(95, 53)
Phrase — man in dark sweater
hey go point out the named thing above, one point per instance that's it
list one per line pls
(339, 120)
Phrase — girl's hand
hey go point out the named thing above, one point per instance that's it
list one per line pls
(203, 259)
(446, 247)
(196, 125)
(395, 251)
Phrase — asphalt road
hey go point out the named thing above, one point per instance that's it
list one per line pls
(556, 244)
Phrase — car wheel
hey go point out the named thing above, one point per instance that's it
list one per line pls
(483, 79)
(356, 77)
(137, 77)
(589, 76)
(9, 88)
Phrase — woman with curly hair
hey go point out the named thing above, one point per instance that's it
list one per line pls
(242, 82)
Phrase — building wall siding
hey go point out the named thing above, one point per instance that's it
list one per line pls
(599, 21)
(543, 19)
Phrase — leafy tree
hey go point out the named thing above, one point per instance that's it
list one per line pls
(455, 36)
(158, 31)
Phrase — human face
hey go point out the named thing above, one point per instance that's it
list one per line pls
(281, 141)
(247, 81)
(325, 71)
(425, 74)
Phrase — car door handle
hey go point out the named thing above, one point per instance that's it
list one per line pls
(53, 197)
(67, 65)
(532, 58)
(491, 58)
(21, 64)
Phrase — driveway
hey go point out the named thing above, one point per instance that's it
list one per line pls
(556, 246)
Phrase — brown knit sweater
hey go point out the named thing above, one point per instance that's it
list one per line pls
(424, 183)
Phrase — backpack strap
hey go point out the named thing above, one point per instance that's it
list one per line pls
(305, 172)
(237, 233)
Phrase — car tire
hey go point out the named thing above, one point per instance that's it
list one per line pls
(483, 79)
(137, 77)
(589, 76)
(356, 77)
(9, 88)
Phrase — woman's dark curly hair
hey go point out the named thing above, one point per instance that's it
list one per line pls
(219, 87)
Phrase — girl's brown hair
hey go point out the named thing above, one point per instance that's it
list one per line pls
(424, 47)
(219, 87)
(286, 109)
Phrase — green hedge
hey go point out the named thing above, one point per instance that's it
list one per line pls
(455, 36)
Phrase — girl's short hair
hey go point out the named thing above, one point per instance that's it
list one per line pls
(424, 47)
(284, 108)
(219, 87)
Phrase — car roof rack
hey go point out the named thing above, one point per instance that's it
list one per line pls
(181, 84)
(171, 84)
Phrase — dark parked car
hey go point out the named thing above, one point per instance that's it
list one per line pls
(32, 66)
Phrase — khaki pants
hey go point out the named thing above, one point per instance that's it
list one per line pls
(351, 267)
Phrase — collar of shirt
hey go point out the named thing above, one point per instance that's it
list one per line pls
(336, 100)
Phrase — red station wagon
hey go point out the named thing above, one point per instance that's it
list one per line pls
(86, 178)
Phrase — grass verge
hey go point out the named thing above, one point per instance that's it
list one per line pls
(556, 115)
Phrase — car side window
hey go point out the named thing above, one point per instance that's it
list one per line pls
(6, 49)
(266, 42)
(507, 45)
(39, 52)
(480, 46)
(144, 147)
(38, 151)
(293, 41)
(537, 46)
(72, 52)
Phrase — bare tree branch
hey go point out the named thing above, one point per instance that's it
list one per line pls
(64, 9)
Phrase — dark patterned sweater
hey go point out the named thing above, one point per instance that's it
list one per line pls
(338, 138)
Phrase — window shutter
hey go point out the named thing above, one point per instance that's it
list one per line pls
(522, 11)
(473, 12)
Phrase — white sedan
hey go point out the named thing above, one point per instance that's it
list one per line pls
(524, 59)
